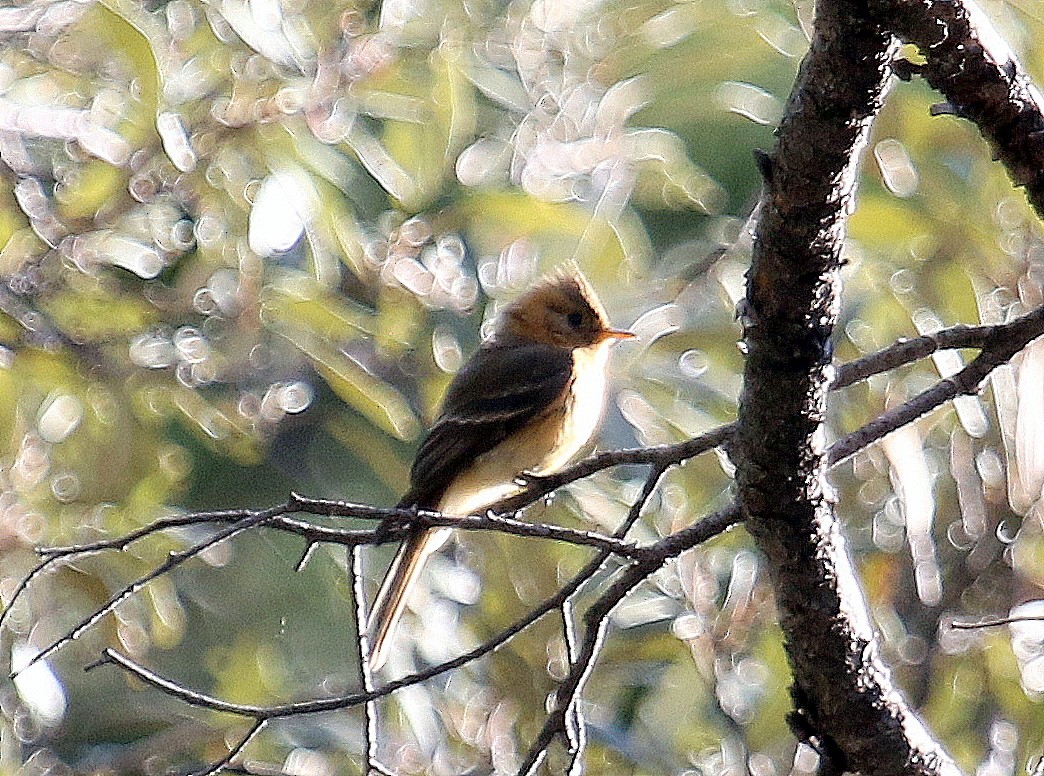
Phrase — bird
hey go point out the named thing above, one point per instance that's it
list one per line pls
(527, 401)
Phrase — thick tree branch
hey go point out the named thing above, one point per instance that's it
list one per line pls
(841, 687)
(968, 62)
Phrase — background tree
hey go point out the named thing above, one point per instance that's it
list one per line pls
(245, 244)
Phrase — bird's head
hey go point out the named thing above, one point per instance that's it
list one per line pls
(561, 310)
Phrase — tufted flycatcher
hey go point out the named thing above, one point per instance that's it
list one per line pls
(525, 403)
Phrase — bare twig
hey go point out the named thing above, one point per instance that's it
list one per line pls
(668, 547)
(362, 641)
(575, 727)
(53, 555)
(235, 750)
(182, 693)
(906, 351)
(958, 625)
(561, 721)
(1009, 340)
(596, 621)
(156, 526)
(174, 560)
(412, 519)
(656, 456)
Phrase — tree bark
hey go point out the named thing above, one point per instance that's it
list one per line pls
(974, 68)
(846, 704)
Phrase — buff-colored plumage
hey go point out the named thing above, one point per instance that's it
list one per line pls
(527, 401)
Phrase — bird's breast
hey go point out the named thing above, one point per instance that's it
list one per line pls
(581, 410)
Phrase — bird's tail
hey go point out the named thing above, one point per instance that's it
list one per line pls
(395, 590)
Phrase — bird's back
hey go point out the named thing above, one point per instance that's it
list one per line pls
(501, 391)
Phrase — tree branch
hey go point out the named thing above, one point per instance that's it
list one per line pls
(596, 620)
(841, 687)
(410, 519)
(235, 750)
(906, 351)
(967, 61)
(957, 625)
(559, 721)
(363, 654)
(173, 561)
(665, 548)
(1008, 340)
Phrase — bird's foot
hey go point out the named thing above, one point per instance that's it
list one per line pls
(527, 478)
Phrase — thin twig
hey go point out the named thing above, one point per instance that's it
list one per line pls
(306, 556)
(575, 729)
(363, 654)
(174, 560)
(657, 456)
(668, 547)
(235, 751)
(906, 351)
(967, 381)
(567, 695)
(53, 555)
(492, 521)
(957, 625)
(381, 768)
(181, 692)
(315, 534)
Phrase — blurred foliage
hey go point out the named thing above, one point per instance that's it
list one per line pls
(244, 247)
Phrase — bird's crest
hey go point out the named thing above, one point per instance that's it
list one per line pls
(567, 280)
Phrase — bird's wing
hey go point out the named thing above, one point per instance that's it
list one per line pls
(499, 390)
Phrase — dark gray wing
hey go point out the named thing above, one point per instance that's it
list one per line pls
(496, 393)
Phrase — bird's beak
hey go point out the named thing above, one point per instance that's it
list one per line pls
(620, 334)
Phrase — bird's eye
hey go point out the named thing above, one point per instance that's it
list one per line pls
(574, 320)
